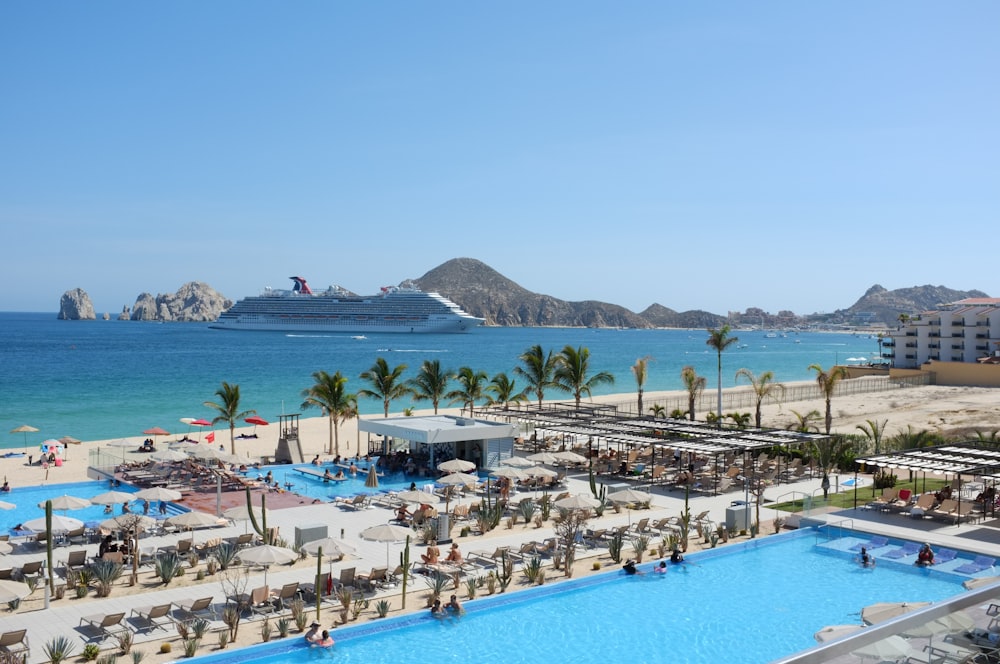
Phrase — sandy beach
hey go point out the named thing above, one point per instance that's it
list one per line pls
(951, 411)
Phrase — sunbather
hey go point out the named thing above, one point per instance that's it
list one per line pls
(454, 555)
(433, 554)
(926, 556)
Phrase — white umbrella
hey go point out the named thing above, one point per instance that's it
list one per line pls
(237, 459)
(169, 455)
(517, 462)
(629, 496)
(834, 632)
(158, 493)
(60, 524)
(980, 581)
(510, 473)
(882, 611)
(459, 479)
(542, 457)
(891, 648)
(112, 498)
(129, 521)
(206, 453)
(456, 466)
(5, 548)
(579, 501)
(193, 520)
(386, 532)
(267, 555)
(570, 457)
(9, 506)
(417, 496)
(959, 621)
(540, 471)
(67, 503)
(13, 590)
(332, 547)
(241, 513)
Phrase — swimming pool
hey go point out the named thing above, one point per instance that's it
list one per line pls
(314, 487)
(28, 498)
(751, 602)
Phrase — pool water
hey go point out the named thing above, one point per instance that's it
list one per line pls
(315, 487)
(748, 603)
(28, 498)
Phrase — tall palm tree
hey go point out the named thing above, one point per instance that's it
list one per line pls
(695, 385)
(503, 390)
(874, 431)
(640, 370)
(571, 374)
(228, 409)
(763, 387)
(387, 384)
(720, 340)
(827, 381)
(471, 388)
(431, 383)
(329, 393)
(537, 367)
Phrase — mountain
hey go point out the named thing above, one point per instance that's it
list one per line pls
(484, 292)
(887, 305)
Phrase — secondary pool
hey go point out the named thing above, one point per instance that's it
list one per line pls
(307, 485)
(27, 499)
(752, 602)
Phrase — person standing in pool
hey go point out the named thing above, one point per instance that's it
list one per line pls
(865, 559)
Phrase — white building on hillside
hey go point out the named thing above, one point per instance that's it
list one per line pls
(963, 331)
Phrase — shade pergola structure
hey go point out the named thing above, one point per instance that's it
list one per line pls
(483, 442)
(971, 460)
(604, 427)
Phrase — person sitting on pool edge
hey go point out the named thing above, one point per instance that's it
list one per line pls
(926, 556)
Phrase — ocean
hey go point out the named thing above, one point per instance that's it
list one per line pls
(97, 380)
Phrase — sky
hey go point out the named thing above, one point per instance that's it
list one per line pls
(715, 156)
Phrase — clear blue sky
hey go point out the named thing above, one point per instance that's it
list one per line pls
(722, 155)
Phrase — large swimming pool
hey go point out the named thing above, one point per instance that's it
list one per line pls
(305, 484)
(749, 603)
(27, 499)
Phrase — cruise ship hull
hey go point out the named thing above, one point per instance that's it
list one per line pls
(396, 310)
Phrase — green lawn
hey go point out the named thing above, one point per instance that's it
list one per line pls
(865, 495)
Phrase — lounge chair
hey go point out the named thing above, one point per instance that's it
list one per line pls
(153, 617)
(260, 601)
(945, 555)
(309, 590)
(189, 611)
(924, 503)
(15, 643)
(347, 580)
(876, 542)
(945, 510)
(371, 580)
(30, 569)
(75, 559)
(103, 626)
(358, 502)
(979, 564)
(908, 549)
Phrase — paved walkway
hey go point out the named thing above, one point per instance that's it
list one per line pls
(64, 616)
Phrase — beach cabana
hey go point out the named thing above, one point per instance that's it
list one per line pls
(483, 442)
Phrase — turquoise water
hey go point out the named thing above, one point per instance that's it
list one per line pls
(748, 604)
(28, 498)
(314, 487)
(97, 380)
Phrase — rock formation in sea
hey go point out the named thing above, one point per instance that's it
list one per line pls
(195, 301)
(124, 315)
(76, 305)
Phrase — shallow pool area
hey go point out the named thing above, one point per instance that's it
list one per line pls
(302, 479)
(749, 602)
(27, 499)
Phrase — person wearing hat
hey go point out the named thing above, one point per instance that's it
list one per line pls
(926, 556)
(312, 634)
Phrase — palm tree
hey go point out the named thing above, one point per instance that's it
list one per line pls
(804, 422)
(537, 368)
(827, 381)
(431, 383)
(912, 439)
(329, 393)
(640, 370)
(503, 391)
(874, 431)
(762, 388)
(572, 367)
(386, 383)
(658, 410)
(228, 409)
(695, 385)
(471, 389)
(720, 340)
(825, 453)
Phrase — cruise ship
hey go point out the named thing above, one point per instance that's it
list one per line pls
(402, 308)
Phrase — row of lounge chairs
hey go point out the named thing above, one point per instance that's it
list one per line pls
(926, 506)
(147, 618)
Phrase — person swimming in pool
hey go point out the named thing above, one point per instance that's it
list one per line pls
(630, 568)
(866, 559)
(676, 558)
(661, 568)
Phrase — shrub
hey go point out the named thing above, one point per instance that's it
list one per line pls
(91, 651)
(265, 630)
(105, 573)
(165, 647)
(284, 625)
(167, 566)
(124, 640)
(138, 656)
(58, 649)
(382, 608)
(223, 639)
(191, 647)
(108, 659)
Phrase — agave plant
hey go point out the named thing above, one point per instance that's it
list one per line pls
(225, 554)
(526, 509)
(167, 566)
(531, 568)
(382, 608)
(437, 583)
(138, 656)
(105, 573)
(58, 649)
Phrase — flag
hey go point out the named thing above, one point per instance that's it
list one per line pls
(210, 437)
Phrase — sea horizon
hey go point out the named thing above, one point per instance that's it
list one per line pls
(99, 382)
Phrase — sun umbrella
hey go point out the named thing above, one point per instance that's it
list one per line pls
(237, 459)
(371, 481)
(187, 420)
(67, 503)
(510, 473)
(201, 423)
(517, 462)
(959, 621)
(112, 498)
(456, 466)
(834, 632)
(891, 648)
(570, 457)
(158, 493)
(542, 457)
(332, 549)
(578, 501)
(60, 524)
(156, 431)
(25, 429)
(240, 513)
(51, 445)
(629, 496)
(206, 453)
(129, 521)
(255, 420)
(882, 611)
(417, 496)
(5, 548)
(386, 532)
(540, 471)
(9, 506)
(980, 581)
(459, 479)
(11, 591)
(267, 555)
(69, 440)
(193, 520)
(169, 456)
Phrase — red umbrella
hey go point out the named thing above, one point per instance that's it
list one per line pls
(201, 423)
(254, 420)
(156, 431)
